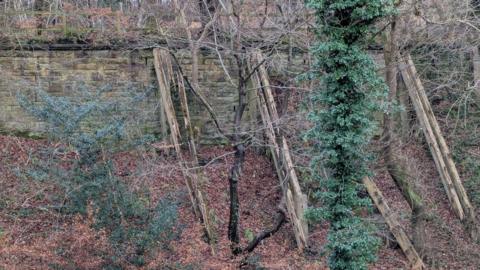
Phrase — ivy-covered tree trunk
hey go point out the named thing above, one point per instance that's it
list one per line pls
(343, 124)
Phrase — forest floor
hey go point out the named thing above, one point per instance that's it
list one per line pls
(448, 246)
(32, 236)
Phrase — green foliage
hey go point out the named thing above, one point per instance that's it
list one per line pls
(473, 182)
(75, 35)
(249, 235)
(95, 129)
(470, 168)
(341, 113)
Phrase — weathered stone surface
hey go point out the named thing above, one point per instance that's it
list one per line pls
(58, 73)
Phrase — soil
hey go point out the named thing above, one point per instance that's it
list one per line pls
(34, 236)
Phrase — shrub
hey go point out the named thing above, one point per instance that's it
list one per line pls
(91, 130)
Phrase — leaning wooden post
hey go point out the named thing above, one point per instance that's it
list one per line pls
(468, 209)
(163, 70)
(196, 174)
(165, 75)
(299, 199)
(295, 200)
(270, 133)
(431, 141)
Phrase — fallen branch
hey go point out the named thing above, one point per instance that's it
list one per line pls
(279, 221)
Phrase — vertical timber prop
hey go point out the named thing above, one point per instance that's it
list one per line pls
(164, 72)
(165, 75)
(438, 146)
(404, 242)
(295, 200)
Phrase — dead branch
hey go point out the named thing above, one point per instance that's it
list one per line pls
(280, 219)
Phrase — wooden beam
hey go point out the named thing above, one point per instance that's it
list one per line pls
(445, 177)
(267, 90)
(268, 127)
(165, 76)
(196, 174)
(299, 199)
(404, 242)
(164, 72)
(295, 200)
(445, 151)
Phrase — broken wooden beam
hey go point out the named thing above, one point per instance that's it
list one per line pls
(196, 174)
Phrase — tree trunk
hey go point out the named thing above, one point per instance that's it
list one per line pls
(476, 71)
(236, 171)
(405, 115)
(395, 163)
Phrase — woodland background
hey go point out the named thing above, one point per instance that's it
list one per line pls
(97, 192)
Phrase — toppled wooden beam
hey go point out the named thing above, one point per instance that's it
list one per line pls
(408, 249)
(448, 167)
(295, 200)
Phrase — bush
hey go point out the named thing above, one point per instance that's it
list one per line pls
(91, 130)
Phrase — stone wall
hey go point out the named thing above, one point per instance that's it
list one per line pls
(60, 72)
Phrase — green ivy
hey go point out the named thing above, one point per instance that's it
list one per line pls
(342, 123)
